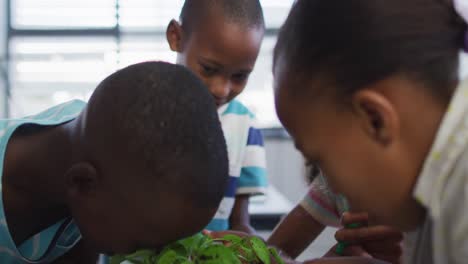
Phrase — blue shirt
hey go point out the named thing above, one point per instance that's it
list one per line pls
(247, 162)
(56, 240)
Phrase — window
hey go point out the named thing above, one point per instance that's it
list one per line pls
(147, 15)
(47, 71)
(59, 49)
(62, 14)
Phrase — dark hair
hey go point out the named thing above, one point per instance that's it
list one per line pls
(164, 120)
(355, 43)
(248, 13)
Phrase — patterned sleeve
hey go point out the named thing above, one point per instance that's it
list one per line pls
(253, 177)
(321, 203)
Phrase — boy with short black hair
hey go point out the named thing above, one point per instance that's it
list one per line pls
(108, 173)
(219, 40)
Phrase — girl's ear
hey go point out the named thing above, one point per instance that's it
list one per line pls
(378, 116)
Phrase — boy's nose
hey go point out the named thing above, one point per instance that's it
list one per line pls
(221, 90)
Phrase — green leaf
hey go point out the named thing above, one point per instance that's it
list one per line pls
(169, 257)
(276, 256)
(193, 241)
(248, 253)
(205, 242)
(180, 250)
(143, 254)
(261, 250)
(210, 262)
(232, 239)
(220, 253)
(118, 259)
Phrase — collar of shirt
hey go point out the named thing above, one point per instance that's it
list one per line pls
(451, 140)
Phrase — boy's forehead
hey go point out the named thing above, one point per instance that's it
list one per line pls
(227, 41)
(214, 18)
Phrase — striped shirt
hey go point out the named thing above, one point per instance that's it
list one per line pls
(247, 172)
(323, 204)
(53, 242)
(442, 188)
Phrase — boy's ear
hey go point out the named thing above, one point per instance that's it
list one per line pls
(378, 116)
(82, 179)
(175, 36)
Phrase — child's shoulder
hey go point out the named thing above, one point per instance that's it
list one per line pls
(72, 106)
(58, 113)
(236, 107)
(237, 121)
(52, 116)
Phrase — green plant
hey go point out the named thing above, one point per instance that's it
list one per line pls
(201, 249)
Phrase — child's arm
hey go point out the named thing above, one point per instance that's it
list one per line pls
(295, 233)
(240, 218)
(252, 181)
(300, 227)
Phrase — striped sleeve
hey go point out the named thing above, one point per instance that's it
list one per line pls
(220, 222)
(253, 177)
(320, 202)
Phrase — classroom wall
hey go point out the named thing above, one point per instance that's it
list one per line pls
(285, 166)
(2, 25)
(2, 53)
(464, 65)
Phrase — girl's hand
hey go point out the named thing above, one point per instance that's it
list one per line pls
(380, 242)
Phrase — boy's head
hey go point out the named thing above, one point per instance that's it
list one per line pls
(219, 40)
(155, 162)
(362, 87)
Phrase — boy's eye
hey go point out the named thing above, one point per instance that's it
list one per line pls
(207, 70)
(240, 77)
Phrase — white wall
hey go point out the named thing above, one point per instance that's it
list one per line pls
(3, 29)
(285, 166)
(464, 65)
(2, 24)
